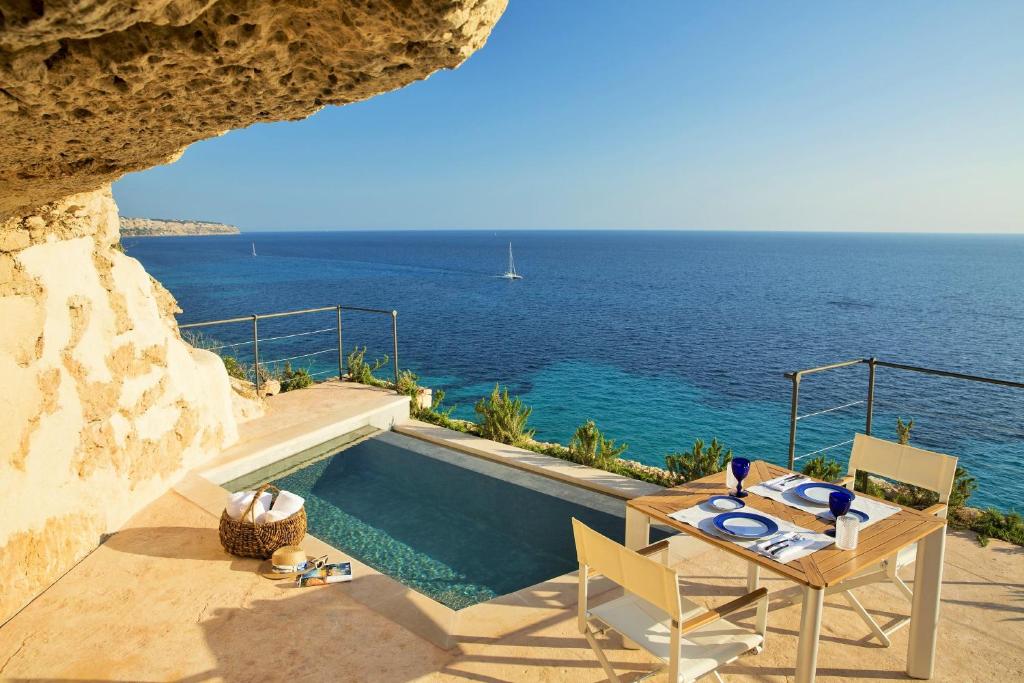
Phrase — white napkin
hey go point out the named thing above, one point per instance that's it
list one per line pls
(238, 502)
(287, 504)
(784, 483)
(795, 546)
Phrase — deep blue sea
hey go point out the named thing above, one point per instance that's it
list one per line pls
(661, 337)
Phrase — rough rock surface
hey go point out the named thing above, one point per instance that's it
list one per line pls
(92, 89)
(103, 404)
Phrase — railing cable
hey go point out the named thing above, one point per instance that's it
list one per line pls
(826, 448)
(830, 410)
(301, 355)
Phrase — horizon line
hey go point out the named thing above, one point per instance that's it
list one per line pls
(979, 233)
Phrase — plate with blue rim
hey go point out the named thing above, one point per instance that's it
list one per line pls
(817, 492)
(745, 525)
(859, 514)
(726, 503)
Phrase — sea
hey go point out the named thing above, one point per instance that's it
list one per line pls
(660, 337)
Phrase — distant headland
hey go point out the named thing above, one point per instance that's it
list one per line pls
(160, 227)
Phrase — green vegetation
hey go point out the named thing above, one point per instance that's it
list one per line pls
(590, 447)
(503, 419)
(696, 462)
(235, 368)
(994, 524)
(294, 379)
(903, 430)
(823, 468)
(361, 371)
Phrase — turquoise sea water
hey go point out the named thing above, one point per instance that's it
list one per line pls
(661, 337)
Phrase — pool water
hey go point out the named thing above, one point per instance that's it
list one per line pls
(454, 527)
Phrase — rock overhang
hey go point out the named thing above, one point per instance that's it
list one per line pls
(92, 90)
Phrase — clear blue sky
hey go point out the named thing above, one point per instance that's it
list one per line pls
(901, 116)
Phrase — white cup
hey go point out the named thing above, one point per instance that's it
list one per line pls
(730, 479)
(847, 530)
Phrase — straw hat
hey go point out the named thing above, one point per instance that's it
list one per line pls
(288, 562)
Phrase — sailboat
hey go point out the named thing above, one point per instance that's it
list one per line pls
(511, 273)
(253, 248)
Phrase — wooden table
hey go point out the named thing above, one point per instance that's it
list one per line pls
(820, 570)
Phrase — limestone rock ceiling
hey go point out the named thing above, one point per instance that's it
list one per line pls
(93, 89)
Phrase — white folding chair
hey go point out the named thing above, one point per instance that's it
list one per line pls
(691, 640)
(903, 463)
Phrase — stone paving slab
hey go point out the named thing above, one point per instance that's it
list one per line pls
(161, 601)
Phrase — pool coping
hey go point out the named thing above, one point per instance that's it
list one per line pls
(608, 483)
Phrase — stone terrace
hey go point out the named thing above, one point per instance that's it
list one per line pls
(160, 600)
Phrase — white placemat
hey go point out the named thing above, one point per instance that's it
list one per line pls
(799, 541)
(785, 493)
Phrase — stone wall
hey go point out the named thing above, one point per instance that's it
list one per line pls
(102, 404)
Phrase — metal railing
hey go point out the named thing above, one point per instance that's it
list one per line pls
(255, 319)
(869, 401)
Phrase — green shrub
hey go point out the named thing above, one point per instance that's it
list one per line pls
(994, 524)
(823, 468)
(235, 368)
(294, 379)
(361, 371)
(504, 419)
(590, 447)
(903, 430)
(697, 462)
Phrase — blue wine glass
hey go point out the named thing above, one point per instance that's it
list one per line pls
(839, 503)
(740, 470)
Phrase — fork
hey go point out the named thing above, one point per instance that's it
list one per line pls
(779, 547)
(783, 537)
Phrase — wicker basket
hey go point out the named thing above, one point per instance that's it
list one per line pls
(244, 538)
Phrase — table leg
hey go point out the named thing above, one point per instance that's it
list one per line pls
(753, 576)
(638, 529)
(810, 629)
(924, 611)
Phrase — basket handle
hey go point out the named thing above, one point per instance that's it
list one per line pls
(256, 496)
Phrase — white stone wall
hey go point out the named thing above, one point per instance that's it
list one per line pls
(102, 405)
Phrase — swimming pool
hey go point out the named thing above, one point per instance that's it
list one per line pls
(457, 528)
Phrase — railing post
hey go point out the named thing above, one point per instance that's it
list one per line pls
(871, 395)
(256, 351)
(341, 353)
(793, 413)
(394, 340)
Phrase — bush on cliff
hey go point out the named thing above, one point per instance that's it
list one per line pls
(503, 419)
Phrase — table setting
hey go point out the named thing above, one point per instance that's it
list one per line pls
(729, 518)
(803, 493)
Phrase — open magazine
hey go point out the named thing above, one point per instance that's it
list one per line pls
(329, 573)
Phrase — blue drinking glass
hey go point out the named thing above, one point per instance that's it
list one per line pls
(740, 469)
(839, 503)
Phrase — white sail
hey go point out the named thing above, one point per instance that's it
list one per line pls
(511, 273)
(253, 248)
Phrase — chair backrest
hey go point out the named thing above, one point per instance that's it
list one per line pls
(910, 465)
(642, 576)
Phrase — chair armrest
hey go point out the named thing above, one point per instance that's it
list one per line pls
(939, 509)
(653, 548)
(847, 481)
(720, 612)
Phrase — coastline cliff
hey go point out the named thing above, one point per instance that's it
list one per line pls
(158, 227)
